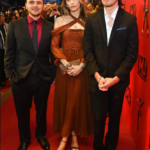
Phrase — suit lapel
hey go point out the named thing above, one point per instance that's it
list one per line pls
(117, 22)
(27, 34)
(103, 24)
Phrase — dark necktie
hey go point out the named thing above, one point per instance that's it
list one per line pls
(35, 36)
(35, 44)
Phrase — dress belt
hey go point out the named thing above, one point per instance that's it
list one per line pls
(74, 50)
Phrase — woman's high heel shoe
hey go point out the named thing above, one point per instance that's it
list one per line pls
(74, 147)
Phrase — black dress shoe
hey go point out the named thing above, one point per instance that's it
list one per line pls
(44, 143)
(23, 146)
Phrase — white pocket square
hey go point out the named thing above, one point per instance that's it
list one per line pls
(121, 28)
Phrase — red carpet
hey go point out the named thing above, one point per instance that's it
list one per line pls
(3, 90)
(10, 136)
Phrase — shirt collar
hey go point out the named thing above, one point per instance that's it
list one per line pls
(30, 20)
(113, 15)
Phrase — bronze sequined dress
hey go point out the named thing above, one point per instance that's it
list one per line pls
(72, 108)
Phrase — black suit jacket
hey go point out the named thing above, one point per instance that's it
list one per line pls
(116, 59)
(20, 55)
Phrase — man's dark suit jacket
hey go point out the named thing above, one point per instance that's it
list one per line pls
(20, 55)
(116, 59)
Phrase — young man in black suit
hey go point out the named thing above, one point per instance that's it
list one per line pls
(111, 49)
(30, 72)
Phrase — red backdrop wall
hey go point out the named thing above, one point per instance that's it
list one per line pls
(136, 106)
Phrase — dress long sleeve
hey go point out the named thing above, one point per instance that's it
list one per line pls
(56, 50)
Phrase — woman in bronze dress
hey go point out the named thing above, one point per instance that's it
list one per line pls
(72, 109)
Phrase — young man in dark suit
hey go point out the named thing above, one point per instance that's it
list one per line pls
(30, 72)
(111, 49)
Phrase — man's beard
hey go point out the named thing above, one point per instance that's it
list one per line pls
(35, 15)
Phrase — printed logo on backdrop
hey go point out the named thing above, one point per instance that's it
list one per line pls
(139, 115)
(133, 9)
(128, 95)
(146, 11)
(142, 67)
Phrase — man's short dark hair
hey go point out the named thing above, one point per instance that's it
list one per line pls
(119, 3)
(53, 2)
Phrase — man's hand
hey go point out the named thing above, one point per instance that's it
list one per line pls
(109, 82)
(101, 81)
(54, 13)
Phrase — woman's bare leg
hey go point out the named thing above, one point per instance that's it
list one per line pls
(63, 143)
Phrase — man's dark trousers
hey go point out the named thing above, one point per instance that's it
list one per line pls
(105, 104)
(2, 73)
(23, 93)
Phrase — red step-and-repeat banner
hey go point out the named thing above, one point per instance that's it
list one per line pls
(136, 106)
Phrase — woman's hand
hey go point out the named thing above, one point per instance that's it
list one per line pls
(64, 62)
(74, 70)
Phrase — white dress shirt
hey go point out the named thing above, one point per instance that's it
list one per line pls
(109, 28)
